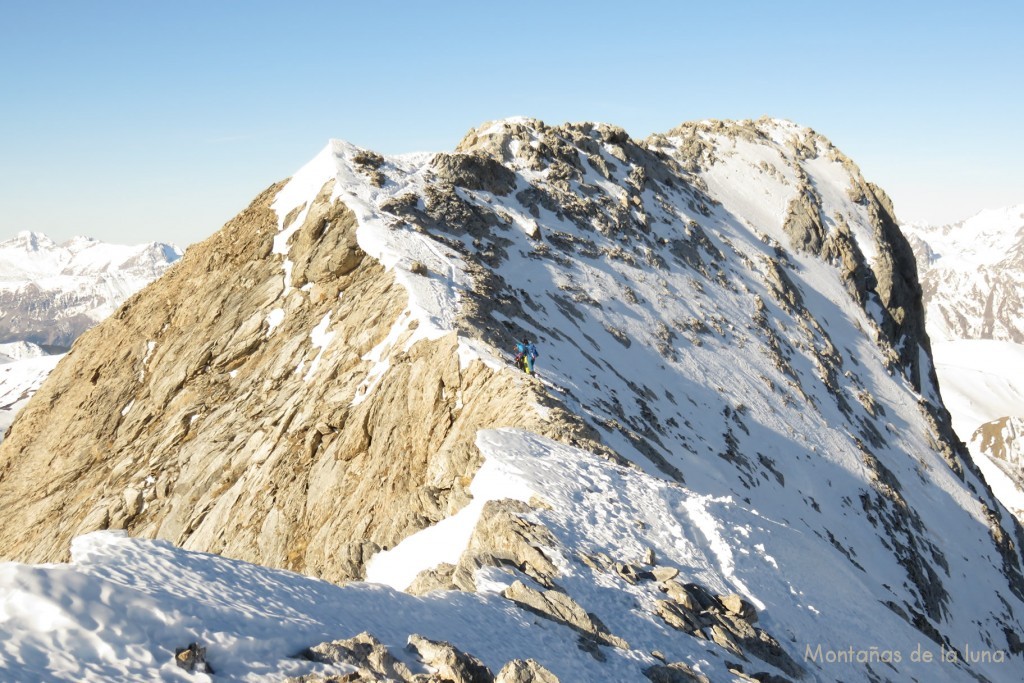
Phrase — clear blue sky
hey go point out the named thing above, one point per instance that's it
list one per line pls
(134, 121)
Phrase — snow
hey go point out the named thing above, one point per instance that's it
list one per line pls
(433, 300)
(19, 380)
(445, 541)
(80, 266)
(62, 286)
(123, 604)
(274, 318)
(981, 380)
(121, 607)
(320, 338)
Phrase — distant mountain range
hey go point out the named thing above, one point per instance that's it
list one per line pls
(972, 280)
(972, 275)
(50, 293)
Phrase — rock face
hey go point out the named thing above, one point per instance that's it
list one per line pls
(239, 436)
(734, 382)
(372, 661)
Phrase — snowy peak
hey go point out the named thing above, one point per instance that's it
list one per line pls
(734, 451)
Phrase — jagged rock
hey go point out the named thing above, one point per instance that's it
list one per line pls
(386, 467)
(132, 502)
(474, 172)
(503, 537)
(664, 574)
(722, 637)
(628, 572)
(448, 662)
(524, 671)
(439, 578)
(676, 672)
(371, 658)
(192, 659)
(558, 606)
(677, 616)
(738, 606)
(680, 594)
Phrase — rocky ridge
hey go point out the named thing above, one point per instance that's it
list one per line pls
(729, 320)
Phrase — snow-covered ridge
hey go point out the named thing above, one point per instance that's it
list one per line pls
(726, 329)
(972, 274)
(719, 302)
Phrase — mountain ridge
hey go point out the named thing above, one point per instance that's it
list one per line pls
(727, 312)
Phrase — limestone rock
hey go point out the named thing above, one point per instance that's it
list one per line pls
(502, 536)
(676, 672)
(474, 172)
(450, 663)
(524, 671)
(738, 606)
(371, 658)
(663, 574)
(679, 593)
(677, 616)
(207, 359)
(439, 578)
(560, 607)
(192, 659)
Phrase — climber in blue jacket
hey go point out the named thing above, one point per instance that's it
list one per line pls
(526, 356)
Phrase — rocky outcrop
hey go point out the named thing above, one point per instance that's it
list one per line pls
(372, 661)
(210, 417)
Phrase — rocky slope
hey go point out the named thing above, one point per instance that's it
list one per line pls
(737, 460)
(50, 293)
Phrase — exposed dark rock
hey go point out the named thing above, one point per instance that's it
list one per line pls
(192, 659)
(474, 172)
(528, 671)
(449, 663)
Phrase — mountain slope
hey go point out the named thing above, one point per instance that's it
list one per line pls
(727, 315)
(50, 293)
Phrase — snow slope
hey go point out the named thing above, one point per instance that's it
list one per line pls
(982, 381)
(19, 379)
(121, 607)
(775, 428)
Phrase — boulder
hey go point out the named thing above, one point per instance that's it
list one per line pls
(448, 662)
(525, 671)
